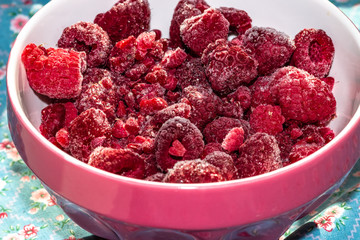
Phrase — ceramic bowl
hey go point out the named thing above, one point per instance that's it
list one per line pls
(261, 207)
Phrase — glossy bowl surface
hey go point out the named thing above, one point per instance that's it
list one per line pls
(111, 205)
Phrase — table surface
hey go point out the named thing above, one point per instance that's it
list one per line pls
(28, 212)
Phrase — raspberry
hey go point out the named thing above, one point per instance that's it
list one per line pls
(157, 177)
(211, 147)
(56, 116)
(314, 52)
(219, 128)
(302, 150)
(144, 42)
(191, 72)
(271, 48)
(144, 91)
(122, 56)
(194, 171)
(118, 130)
(94, 75)
(259, 154)
(125, 18)
(132, 126)
(233, 139)
(56, 73)
(62, 137)
(203, 105)
(153, 105)
(173, 58)
(182, 130)
(241, 95)
(303, 97)
(239, 19)
(198, 31)
(157, 74)
(121, 161)
(224, 162)
(260, 91)
(175, 110)
(183, 10)
(87, 37)
(177, 149)
(267, 119)
(330, 81)
(227, 66)
(230, 108)
(89, 125)
(101, 95)
(139, 68)
(285, 143)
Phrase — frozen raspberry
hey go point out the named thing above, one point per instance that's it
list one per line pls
(132, 126)
(144, 43)
(62, 137)
(203, 105)
(144, 91)
(211, 147)
(303, 97)
(198, 31)
(56, 73)
(239, 19)
(56, 116)
(267, 119)
(118, 130)
(153, 105)
(285, 142)
(314, 52)
(125, 18)
(302, 150)
(224, 162)
(183, 10)
(191, 72)
(241, 95)
(228, 66)
(316, 134)
(89, 125)
(173, 58)
(157, 74)
(219, 128)
(94, 75)
(271, 48)
(230, 108)
(194, 171)
(177, 149)
(157, 177)
(175, 110)
(122, 55)
(139, 68)
(182, 130)
(260, 91)
(101, 95)
(233, 139)
(87, 37)
(259, 154)
(121, 161)
(121, 109)
(330, 81)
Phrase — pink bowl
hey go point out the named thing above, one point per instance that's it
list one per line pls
(261, 207)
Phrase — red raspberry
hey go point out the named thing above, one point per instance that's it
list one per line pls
(145, 91)
(132, 126)
(219, 128)
(175, 110)
(203, 104)
(224, 162)
(139, 69)
(260, 91)
(198, 31)
(89, 125)
(183, 10)
(122, 56)
(267, 119)
(285, 142)
(157, 177)
(56, 73)
(314, 52)
(303, 97)
(241, 95)
(194, 171)
(177, 149)
(259, 154)
(301, 150)
(211, 147)
(329, 81)
(56, 116)
(94, 75)
(118, 130)
(153, 105)
(145, 42)
(182, 130)
(239, 19)
(121, 161)
(228, 66)
(157, 74)
(316, 134)
(271, 48)
(125, 18)
(233, 139)
(62, 137)
(230, 108)
(101, 95)
(173, 58)
(191, 72)
(90, 38)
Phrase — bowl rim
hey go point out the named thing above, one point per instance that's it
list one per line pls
(13, 97)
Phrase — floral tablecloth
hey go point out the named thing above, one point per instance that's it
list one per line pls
(28, 212)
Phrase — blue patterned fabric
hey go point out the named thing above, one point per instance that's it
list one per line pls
(27, 211)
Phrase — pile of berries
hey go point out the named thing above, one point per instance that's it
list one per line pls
(197, 107)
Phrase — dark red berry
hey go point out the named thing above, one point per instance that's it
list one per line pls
(224, 162)
(239, 19)
(267, 119)
(122, 55)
